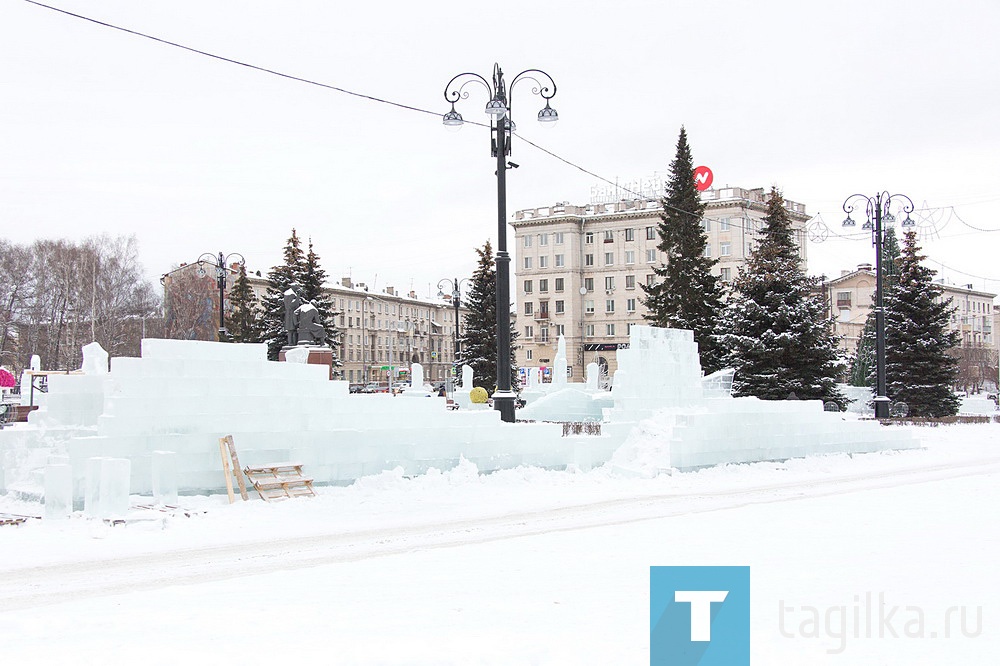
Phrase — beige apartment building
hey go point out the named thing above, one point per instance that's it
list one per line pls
(579, 269)
(380, 332)
(851, 296)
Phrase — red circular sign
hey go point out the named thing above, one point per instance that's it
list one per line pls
(702, 178)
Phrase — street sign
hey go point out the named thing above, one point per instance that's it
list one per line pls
(702, 178)
(605, 346)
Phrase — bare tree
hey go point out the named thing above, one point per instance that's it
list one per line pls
(976, 365)
(60, 295)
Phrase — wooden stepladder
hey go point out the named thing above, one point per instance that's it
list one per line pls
(231, 465)
(280, 481)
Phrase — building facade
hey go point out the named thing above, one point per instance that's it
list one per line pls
(579, 270)
(850, 298)
(380, 334)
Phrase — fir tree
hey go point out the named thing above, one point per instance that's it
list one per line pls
(313, 290)
(479, 339)
(861, 372)
(288, 275)
(686, 294)
(775, 329)
(244, 322)
(919, 370)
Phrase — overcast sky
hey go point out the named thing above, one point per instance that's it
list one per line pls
(106, 132)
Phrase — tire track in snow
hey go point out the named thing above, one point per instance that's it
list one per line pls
(58, 583)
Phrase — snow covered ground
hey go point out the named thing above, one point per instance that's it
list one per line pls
(528, 566)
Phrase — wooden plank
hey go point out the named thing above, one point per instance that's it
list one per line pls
(236, 467)
(226, 469)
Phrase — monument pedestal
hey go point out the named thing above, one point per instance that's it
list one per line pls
(315, 355)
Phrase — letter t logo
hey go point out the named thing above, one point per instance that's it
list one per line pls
(701, 610)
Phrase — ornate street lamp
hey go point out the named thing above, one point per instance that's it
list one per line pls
(877, 214)
(220, 264)
(501, 125)
(456, 300)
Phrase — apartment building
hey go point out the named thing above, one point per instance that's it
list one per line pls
(850, 298)
(579, 269)
(379, 332)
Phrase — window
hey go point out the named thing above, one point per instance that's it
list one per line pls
(529, 332)
(588, 238)
(630, 304)
(650, 233)
(706, 225)
(559, 284)
(609, 236)
(527, 286)
(629, 256)
(725, 249)
(589, 330)
(543, 262)
(543, 239)
(527, 263)
(630, 325)
(558, 237)
(630, 282)
(527, 241)
(543, 309)
(650, 279)
(843, 299)
(560, 329)
(630, 234)
(588, 260)
(609, 305)
(543, 285)
(609, 258)
(527, 354)
(727, 274)
(724, 224)
(609, 283)
(560, 307)
(707, 251)
(543, 334)
(560, 260)
(609, 329)
(651, 256)
(588, 307)
(588, 284)
(529, 308)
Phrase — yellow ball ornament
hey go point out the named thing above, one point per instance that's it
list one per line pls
(479, 396)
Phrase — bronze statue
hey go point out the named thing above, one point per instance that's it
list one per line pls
(310, 331)
(292, 302)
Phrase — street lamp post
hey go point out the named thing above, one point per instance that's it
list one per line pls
(501, 125)
(219, 263)
(456, 300)
(878, 214)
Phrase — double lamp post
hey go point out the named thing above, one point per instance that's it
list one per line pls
(220, 264)
(501, 127)
(456, 301)
(878, 215)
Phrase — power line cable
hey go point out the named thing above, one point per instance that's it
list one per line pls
(232, 61)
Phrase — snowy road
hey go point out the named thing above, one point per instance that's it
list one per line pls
(524, 566)
(55, 583)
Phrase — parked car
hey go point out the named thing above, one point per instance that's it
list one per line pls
(375, 387)
(356, 388)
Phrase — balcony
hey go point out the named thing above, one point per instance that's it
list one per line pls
(541, 316)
